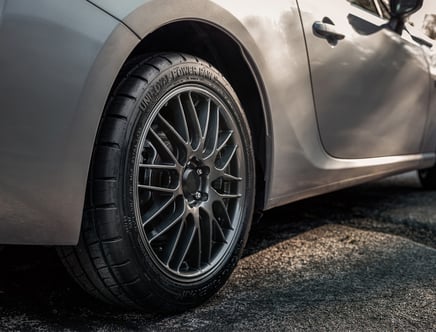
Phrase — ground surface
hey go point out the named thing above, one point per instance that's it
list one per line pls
(360, 259)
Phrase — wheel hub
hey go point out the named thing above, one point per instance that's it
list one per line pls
(195, 182)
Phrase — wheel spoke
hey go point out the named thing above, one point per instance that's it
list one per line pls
(172, 251)
(169, 223)
(170, 131)
(184, 247)
(157, 166)
(219, 232)
(229, 177)
(230, 195)
(192, 118)
(199, 239)
(211, 141)
(224, 140)
(225, 160)
(181, 117)
(222, 214)
(204, 119)
(206, 235)
(159, 189)
(215, 195)
(164, 149)
(151, 215)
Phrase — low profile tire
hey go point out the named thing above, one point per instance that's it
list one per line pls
(171, 188)
(427, 177)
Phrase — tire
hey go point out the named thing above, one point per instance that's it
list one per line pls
(427, 177)
(170, 193)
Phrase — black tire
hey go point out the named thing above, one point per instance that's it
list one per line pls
(159, 232)
(427, 177)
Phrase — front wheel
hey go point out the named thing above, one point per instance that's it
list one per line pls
(171, 190)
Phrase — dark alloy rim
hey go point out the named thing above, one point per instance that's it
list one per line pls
(189, 174)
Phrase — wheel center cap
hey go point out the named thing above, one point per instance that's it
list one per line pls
(191, 182)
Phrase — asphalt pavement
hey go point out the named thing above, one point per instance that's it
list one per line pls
(361, 259)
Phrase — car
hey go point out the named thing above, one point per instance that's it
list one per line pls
(142, 137)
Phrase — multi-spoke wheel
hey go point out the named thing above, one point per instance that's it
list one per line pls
(171, 191)
(189, 177)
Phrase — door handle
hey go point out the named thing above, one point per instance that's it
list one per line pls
(328, 31)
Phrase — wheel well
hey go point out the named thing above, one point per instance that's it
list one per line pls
(207, 42)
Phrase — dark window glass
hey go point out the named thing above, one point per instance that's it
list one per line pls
(365, 4)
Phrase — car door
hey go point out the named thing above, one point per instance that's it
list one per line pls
(371, 86)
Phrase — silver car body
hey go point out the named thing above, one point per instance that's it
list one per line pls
(331, 115)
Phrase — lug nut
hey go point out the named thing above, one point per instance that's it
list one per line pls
(197, 195)
(199, 171)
